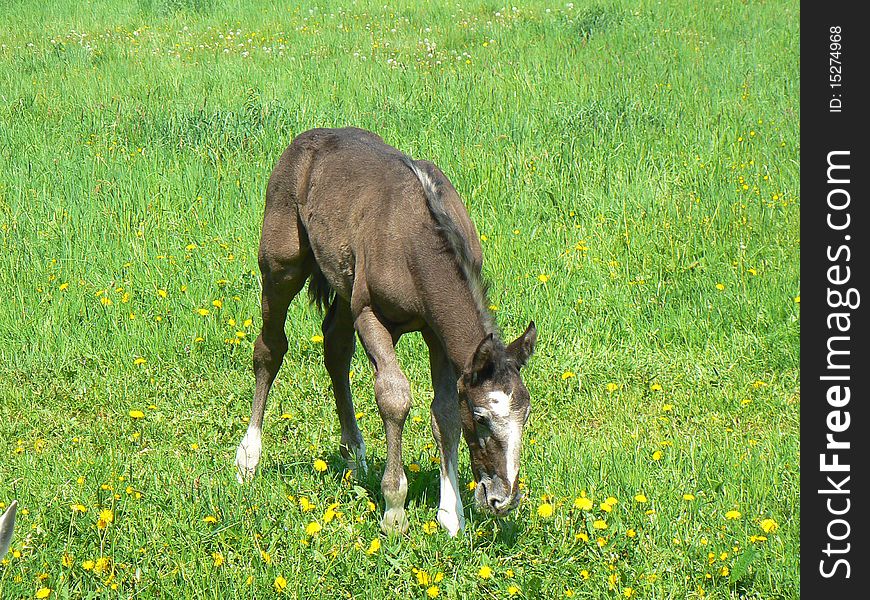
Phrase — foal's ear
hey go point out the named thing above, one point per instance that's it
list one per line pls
(482, 362)
(522, 347)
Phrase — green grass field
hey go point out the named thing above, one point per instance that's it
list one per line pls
(633, 170)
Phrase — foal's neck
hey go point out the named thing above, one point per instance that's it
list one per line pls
(459, 320)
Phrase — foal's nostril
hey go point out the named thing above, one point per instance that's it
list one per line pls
(498, 505)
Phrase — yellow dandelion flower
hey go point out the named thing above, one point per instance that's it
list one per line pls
(583, 503)
(484, 572)
(720, 286)
(513, 590)
(101, 565)
(414, 468)
(688, 497)
(543, 278)
(313, 528)
(316, 339)
(87, 565)
(732, 515)
(568, 375)
(430, 527)
(640, 498)
(769, 526)
(79, 508)
(631, 533)
(63, 286)
(162, 293)
(432, 591)
(66, 560)
(667, 408)
(581, 537)
(218, 558)
(305, 504)
(106, 516)
(43, 593)
(655, 387)
(471, 485)
(599, 524)
(267, 558)
(210, 519)
(320, 465)
(797, 299)
(217, 303)
(374, 546)
(545, 510)
(612, 387)
(657, 455)
(331, 512)
(280, 584)
(136, 414)
(202, 312)
(139, 361)
(724, 571)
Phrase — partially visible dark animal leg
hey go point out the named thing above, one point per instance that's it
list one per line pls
(393, 395)
(339, 343)
(285, 265)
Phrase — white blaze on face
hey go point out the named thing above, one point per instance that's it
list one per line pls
(500, 403)
(509, 429)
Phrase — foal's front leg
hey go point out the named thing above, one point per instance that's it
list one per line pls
(393, 395)
(446, 429)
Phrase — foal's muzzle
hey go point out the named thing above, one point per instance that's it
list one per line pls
(495, 498)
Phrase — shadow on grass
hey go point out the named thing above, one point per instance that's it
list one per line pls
(423, 493)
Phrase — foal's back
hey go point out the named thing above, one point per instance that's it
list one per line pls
(363, 215)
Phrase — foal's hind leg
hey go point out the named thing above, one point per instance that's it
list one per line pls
(339, 343)
(393, 394)
(269, 351)
(285, 265)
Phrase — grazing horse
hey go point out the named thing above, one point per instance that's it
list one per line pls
(7, 526)
(388, 248)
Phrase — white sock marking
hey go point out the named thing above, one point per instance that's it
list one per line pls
(450, 511)
(248, 454)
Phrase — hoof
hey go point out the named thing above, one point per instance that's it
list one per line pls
(452, 522)
(395, 521)
(248, 456)
(355, 457)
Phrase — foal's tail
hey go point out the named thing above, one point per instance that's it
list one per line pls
(320, 293)
(7, 525)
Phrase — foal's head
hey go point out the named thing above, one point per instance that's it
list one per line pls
(494, 406)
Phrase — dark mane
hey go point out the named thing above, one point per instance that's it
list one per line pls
(456, 242)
